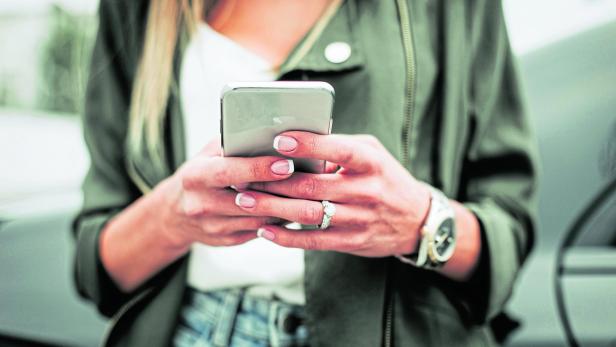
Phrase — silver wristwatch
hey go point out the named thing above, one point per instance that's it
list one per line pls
(438, 235)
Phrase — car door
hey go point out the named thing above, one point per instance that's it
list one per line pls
(586, 274)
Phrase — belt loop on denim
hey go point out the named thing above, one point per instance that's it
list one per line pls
(226, 321)
(272, 322)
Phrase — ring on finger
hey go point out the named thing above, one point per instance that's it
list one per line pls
(329, 210)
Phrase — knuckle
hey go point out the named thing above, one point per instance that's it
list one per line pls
(345, 246)
(370, 217)
(192, 211)
(215, 229)
(255, 169)
(220, 176)
(376, 167)
(312, 243)
(307, 187)
(360, 240)
(372, 140)
(358, 220)
(378, 189)
(372, 162)
(190, 178)
(188, 182)
(356, 242)
(312, 144)
(347, 155)
(310, 215)
(192, 206)
(377, 160)
(372, 191)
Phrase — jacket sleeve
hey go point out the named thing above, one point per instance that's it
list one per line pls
(107, 188)
(500, 169)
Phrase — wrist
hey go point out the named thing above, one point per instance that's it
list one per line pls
(165, 216)
(436, 235)
(418, 220)
(426, 198)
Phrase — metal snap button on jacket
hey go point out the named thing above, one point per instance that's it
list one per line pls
(337, 52)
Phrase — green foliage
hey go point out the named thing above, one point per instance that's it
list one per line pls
(65, 61)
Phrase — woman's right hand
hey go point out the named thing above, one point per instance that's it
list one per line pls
(197, 204)
(193, 205)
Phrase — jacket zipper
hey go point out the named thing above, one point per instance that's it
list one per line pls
(409, 55)
(389, 313)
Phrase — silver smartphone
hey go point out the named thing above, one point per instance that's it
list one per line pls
(253, 113)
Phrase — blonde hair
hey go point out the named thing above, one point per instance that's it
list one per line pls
(167, 21)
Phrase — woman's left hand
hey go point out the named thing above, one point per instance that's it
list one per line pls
(380, 206)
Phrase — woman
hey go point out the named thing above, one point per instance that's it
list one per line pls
(427, 95)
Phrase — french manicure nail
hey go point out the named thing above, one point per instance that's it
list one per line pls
(245, 200)
(283, 167)
(284, 143)
(266, 234)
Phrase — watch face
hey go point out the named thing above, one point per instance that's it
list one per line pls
(444, 240)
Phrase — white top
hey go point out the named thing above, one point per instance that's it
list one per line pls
(211, 60)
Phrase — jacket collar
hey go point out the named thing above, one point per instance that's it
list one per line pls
(334, 27)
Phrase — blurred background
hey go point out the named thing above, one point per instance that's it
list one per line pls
(567, 58)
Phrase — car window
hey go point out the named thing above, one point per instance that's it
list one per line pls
(600, 228)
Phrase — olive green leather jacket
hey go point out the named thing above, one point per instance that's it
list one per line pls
(434, 81)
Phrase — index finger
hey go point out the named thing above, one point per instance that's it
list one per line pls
(234, 171)
(333, 239)
(343, 150)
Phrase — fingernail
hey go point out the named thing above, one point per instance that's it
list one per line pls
(245, 200)
(283, 167)
(284, 143)
(266, 234)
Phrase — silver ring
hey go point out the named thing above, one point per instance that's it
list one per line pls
(329, 210)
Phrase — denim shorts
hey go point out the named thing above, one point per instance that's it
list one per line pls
(230, 318)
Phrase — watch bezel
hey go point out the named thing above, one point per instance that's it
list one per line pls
(433, 252)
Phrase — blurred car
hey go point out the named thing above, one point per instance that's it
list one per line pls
(568, 71)
(586, 274)
(570, 93)
(43, 162)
